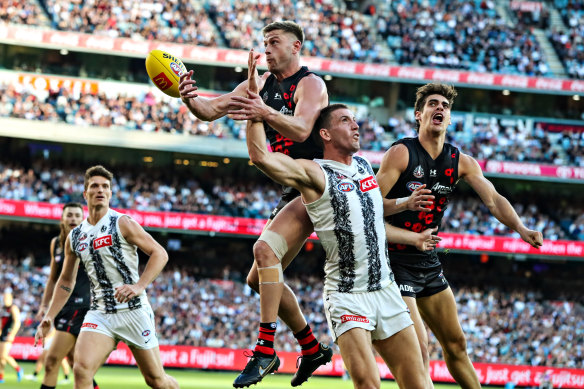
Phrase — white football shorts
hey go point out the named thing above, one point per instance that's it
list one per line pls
(136, 328)
(382, 312)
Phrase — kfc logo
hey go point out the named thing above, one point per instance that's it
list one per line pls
(104, 241)
(161, 81)
(368, 183)
(360, 319)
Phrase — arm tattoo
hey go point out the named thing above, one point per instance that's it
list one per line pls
(65, 288)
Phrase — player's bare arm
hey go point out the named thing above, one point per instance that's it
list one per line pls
(51, 282)
(209, 109)
(302, 174)
(62, 291)
(135, 234)
(470, 171)
(424, 241)
(393, 164)
(310, 97)
(15, 312)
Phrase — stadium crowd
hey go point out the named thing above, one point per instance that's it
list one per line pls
(146, 112)
(447, 34)
(153, 189)
(521, 325)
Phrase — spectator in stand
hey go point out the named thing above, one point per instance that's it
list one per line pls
(19, 12)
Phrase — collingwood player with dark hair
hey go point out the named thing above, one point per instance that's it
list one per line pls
(106, 242)
(344, 203)
(69, 320)
(292, 97)
(433, 167)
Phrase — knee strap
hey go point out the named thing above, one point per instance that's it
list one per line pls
(271, 274)
(276, 242)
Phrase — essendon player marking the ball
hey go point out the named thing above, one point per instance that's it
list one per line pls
(292, 97)
(342, 198)
(106, 243)
(432, 167)
(69, 320)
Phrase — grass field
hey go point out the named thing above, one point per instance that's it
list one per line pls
(130, 378)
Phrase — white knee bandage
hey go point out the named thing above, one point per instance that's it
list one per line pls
(276, 242)
(271, 274)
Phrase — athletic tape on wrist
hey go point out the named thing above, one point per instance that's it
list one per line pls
(401, 200)
(271, 274)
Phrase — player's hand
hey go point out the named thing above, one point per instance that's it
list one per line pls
(534, 238)
(247, 108)
(428, 239)
(187, 86)
(252, 72)
(43, 329)
(127, 292)
(41, 313)
(420, 199)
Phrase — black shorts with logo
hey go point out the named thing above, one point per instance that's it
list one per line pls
(70, 319)
(418, 279)
(288, 194)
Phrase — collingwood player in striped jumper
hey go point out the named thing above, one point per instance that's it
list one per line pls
(107, 242)
(434, 168)
(362, 302)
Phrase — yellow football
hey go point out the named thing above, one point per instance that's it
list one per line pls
(164, 70)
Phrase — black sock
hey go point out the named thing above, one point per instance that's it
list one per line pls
(35, 373)
(95, 385)
(66, 376)
(47, 387)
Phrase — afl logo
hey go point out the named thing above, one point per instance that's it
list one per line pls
(82, 246)
(346, 187)
(175, 68)
(413, 185)
(145, 332)
(418, 172)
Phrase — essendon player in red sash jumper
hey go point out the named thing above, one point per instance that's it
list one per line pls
(430, 166)
(10, 324)
(292, 97)
(106, 243)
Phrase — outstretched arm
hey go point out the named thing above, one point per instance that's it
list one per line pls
(423, 241)
(499, 206)
(209, 109)
(135, 234)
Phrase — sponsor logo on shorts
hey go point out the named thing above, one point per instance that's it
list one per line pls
(89, 325)
(81, 247)
(145, 332)
(346, 187)
(368, 183)
(104, 241)
(413, 185)
(406, 288)
(161, 81)
(360, 319)
(176, 69)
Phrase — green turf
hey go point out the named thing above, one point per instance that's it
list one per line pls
(130, 378)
